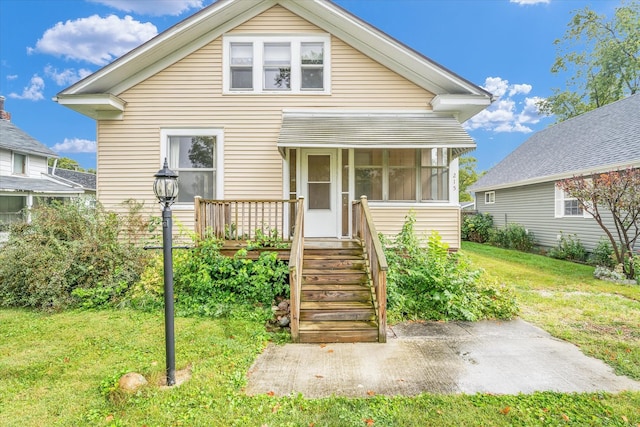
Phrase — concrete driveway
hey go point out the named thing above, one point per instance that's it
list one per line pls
(506, 357)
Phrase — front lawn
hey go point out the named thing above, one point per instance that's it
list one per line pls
(60, 369)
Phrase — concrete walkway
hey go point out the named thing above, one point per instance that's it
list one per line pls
(458, 357)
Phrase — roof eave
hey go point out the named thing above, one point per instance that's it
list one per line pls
(557, 177)
(102, 106)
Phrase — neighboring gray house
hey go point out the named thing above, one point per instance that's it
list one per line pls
(24, 177)
(522, 187)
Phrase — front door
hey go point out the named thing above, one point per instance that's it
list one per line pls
(319, 179)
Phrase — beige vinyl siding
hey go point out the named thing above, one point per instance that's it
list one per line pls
(445, 220)
(188, 94)
(533, 206)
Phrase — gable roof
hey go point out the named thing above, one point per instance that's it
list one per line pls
(602, 139)
(96, 95)
(15, 139)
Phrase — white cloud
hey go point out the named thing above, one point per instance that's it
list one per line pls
(528, 2)
(12, 76)
(75, 145)
(33, 92)
(510, 112)
(155, 8)
(520, 89)
(94, 39)
(65, 77)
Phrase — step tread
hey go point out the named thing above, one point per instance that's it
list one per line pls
(321, 271)
(336, 305)
(336, 325)
(335, 287)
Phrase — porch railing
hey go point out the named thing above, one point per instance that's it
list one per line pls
(245, 219)
(365, 231)
(295, 271)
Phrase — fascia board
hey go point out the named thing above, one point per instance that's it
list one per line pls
(538, 180)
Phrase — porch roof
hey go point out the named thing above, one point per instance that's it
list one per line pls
(373, 130)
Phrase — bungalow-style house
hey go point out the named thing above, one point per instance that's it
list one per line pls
(281, 100)
(522, 188)
(24, 178)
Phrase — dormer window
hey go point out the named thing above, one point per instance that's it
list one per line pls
(276, 64)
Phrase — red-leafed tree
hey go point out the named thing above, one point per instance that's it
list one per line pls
(617, 193)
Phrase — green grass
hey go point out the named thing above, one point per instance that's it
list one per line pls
(602, 318)
(58, 369)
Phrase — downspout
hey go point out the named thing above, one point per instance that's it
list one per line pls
(55, 163)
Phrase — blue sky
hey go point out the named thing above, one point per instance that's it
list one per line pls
(505, 46)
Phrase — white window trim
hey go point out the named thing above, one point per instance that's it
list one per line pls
(560, 198)
(258, 72)
(26, 164)
(488, 199)
(218, 133)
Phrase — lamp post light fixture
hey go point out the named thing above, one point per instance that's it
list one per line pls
(166, 188)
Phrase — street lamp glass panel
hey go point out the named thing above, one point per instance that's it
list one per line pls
(166, 189)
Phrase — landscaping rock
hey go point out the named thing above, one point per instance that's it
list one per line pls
(283, 321)
(131, 382)
(284, 306)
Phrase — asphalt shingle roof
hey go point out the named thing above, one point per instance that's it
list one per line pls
(86, 180)
(609, 135)
(15, 139)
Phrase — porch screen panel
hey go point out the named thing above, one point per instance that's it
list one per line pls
(368, 170)
(402, 175)
(435, 174)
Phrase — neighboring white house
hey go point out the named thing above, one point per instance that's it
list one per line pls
(24, 177)
(522, 188)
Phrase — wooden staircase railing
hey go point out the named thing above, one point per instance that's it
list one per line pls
(364, 229)
(296, 259)
(242, 219)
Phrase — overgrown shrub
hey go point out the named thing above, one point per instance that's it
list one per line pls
(70, 255)
(207, 283)
(428, 282)
(513, 236)
(602, 255)
(477, 228)
(569, 248)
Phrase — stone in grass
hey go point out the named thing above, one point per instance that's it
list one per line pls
(131, 382)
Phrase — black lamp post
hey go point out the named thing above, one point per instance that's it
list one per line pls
(166, 189)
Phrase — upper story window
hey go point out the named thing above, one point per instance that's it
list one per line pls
(19, 164)
(276, 64)
(402, 175)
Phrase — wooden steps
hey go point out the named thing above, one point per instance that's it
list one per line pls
(336, 301)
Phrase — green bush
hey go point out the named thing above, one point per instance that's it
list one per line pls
(477, 228)
(432, 283)
(569, 248)
(207, 283)
(69, 255)
(513, 236)
(602, 255)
